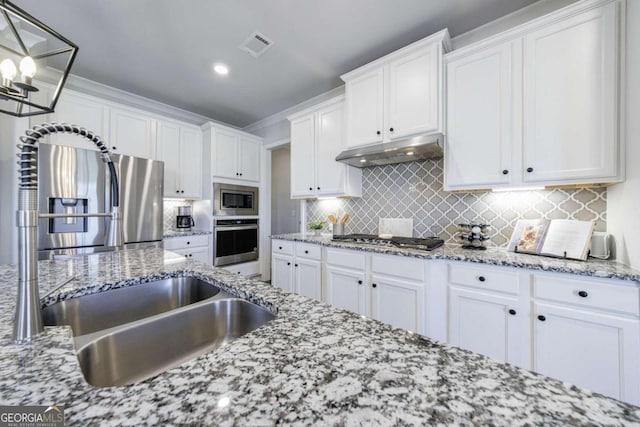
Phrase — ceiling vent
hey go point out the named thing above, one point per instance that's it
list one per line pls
(256, 44)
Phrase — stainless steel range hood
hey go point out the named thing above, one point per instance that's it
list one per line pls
(416, 148)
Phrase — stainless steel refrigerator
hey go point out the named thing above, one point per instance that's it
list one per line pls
(74, 180)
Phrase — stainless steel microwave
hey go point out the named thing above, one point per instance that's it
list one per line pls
(229, 199)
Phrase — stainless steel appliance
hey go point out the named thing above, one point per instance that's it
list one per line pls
(74, 181)
(229, 199)
(184, 219)
(424, 244)
(235, 240)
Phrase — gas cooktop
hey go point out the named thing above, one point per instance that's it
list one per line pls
(425, 244)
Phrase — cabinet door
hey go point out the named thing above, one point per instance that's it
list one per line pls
(224, 154)
(200, 254)
(570, 98)
(302, 156)
(249, 161)
(413, 93)
(364, 103)
(588, 349)
(131, 133)
(483, 323)
(480, 118)
(330, 175)
(308, 278)
(345, 289)
(190, 163)
(168, 150)
(81, 111)
(282, 272)
(398, 303)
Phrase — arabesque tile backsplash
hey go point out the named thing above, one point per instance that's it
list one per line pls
(414, 190)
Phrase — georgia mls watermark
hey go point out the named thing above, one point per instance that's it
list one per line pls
(32, 416)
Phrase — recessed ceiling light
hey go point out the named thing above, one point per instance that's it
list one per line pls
(221, 69)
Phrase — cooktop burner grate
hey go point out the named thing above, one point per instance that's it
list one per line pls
(425, 244)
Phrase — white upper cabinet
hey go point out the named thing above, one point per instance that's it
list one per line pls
(131, 133)
(539, 104)
(317, 137)
(235, 155)
(480, 117)
(180, 147)
(398, 95)
(571, 99)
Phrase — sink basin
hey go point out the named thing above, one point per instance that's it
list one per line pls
(143, 349)
(105, 310)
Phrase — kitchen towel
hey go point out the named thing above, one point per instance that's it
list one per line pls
(401, 227)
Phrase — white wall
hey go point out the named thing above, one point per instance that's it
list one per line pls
(623, 204)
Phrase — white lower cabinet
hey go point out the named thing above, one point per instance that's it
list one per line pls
(587, 332)
(297, 267)
(398, 303)
(192, 247)
(345, 289)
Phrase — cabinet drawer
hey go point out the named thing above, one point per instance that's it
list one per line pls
(345, 258)
(403, 267)
(186, 242)
(307, 250)
(282, 247)
(247, 269)
(487, 278)
(599, 294)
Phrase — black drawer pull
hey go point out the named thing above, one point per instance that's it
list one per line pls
(505, 172)
(378, 132)
(188, 243)
(280, 247)
(359, 282)
(288, 263)
(583, 294)
(374, 285)
(296, 265)
(529, 170)
(310, 188)
(306, 252)
(114, 148)
(481, 278)
(178, 191)
(390, 129)
(512, 312)
(542, 318)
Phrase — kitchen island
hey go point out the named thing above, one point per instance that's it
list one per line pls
(312, 365)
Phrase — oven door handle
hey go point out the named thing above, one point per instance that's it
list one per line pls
(241, 227)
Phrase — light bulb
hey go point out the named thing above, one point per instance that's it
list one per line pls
(28, 67)
(8, 69)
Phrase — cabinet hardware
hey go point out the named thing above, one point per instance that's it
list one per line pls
(306, 252)
(512, 312)
(318, 188)
(188, 243)
(178, 191)
(481, 278)
(542, 318)
(583, 294)
(378, 132)
(288, 263)
(295, 265)
(390, 129)
(505, 172)
(237, 174)
(529, 170)
(113, 148)
(280, 247)
(181, 191)
(240, 173)
(374, 285)
(190, 255)
(359, 282)
(310, 188)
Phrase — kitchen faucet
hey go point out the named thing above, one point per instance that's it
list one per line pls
(28, 319)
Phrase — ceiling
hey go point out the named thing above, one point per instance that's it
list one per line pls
(164, 49)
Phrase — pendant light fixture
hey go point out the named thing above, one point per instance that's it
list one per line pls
(26, 46)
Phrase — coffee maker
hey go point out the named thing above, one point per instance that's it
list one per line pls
(184, 219)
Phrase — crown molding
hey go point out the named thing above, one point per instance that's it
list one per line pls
(282, 115)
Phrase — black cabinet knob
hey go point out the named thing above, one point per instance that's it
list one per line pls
(178, 191)
(188, 243)
(186, 256)
(280, 247)
(310, 188)
(505, 172)
(182, 191)
(374, 285)
(240, 173)
(390, 129)
(359, 282)
(542, 318)
(288, 263)
(190, 255)
(529, 170)
(318, 188)
(114, 148)
(512, 312)
(583, 294)
(295, 265)
(481, 278)
(306, 252)
(378, 132)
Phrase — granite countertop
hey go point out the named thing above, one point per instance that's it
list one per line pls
(312, 365)
(168, 234)
(494, 256)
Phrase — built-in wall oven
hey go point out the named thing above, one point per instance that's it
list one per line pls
(235, 241)
(234, 200)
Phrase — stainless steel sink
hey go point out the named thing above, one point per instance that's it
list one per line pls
(145, 348)
(105, 310)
